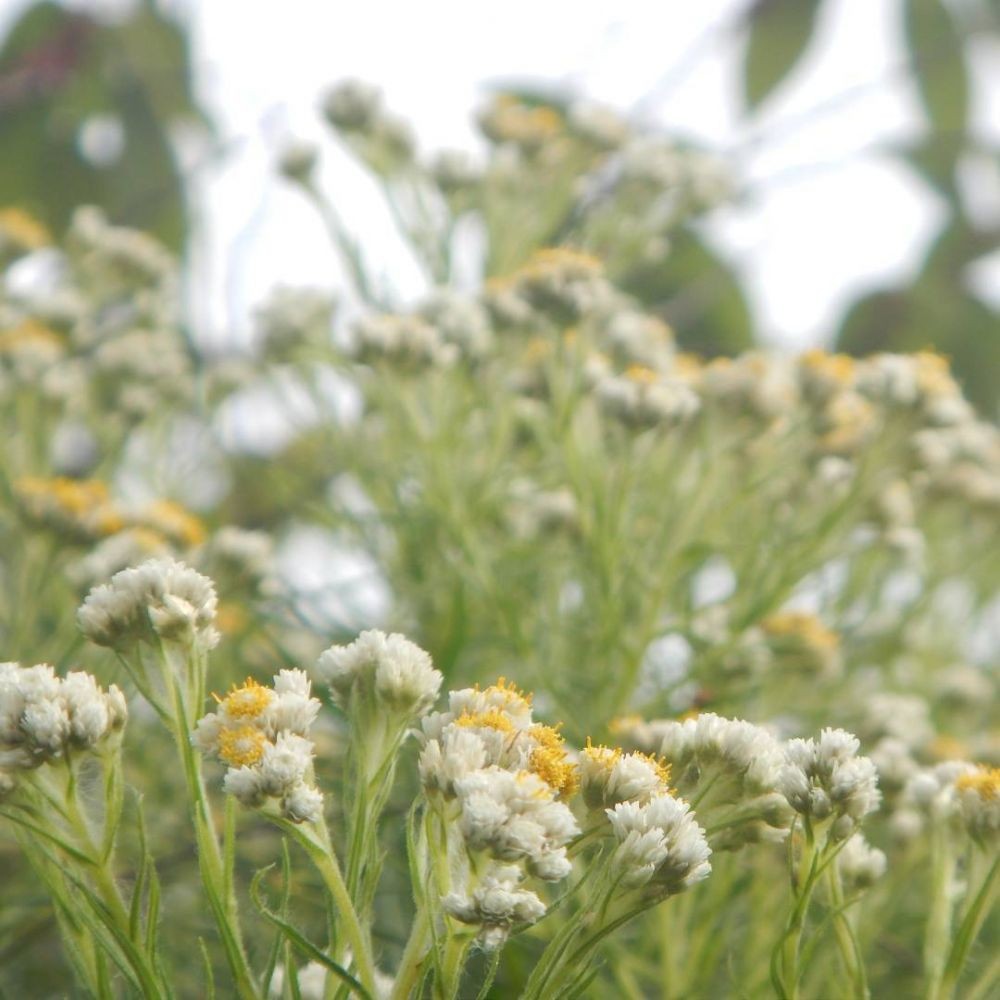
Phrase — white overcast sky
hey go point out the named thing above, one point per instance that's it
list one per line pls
(832, 215)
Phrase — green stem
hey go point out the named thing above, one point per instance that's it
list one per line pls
(969, 929)
(937, 934)
(414, 955)
(218, 887)
(316, 843)
(847, 943)
(791, 942)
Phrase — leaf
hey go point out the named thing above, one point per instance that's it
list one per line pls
(697, 294)
(936, 52)
(298, 939)
(780, 31)
(933, 314)
(58, 70)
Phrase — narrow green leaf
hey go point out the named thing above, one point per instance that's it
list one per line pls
(299, 940)
(209, 975)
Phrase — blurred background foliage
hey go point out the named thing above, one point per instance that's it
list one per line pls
(87, 112)
(90, 112)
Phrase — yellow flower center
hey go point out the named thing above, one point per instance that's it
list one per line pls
(641, 374)
(552, 765)
(247, 701)
(29, 331)
(23, 229)
(493, 718)
(241, 747)
(984, 781)
(173, 520)
(802, 626)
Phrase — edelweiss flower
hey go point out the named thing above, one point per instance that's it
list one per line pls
(160, 599)
(385, 669)
(43, 716)
(979, 801)
(659, 844)
(260, 733)
(825, 777)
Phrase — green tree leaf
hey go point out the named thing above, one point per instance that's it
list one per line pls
(936, 51)
(780, 31)
(697, 294)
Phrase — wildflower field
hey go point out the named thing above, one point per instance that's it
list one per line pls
(639, 672)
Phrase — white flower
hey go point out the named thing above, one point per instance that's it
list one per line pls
(303, 804)
(161, 598)
(497, 904)
(284, 763)
(860, 864)
(43, 716)
(459, 320)
(353, 105)
(46, 725)
(292, 709)
(608, 777)
(409, 341)
(245, 784)
(260, 733)
(646, 398)
(442, 762)
(681, 856)
(389, 668)
(824, 777)
(978, 792)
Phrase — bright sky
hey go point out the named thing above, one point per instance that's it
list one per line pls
(828, 218)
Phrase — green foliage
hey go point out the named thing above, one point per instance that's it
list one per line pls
(61, 70)
(779, 33)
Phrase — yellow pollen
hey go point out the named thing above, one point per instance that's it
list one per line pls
(28, 331)
(604, 757)
(837, 367)
(552, 765)
(173, 520)
(247, 701)
(241, 747)
(642, 375)
(661, 767)
(984, 781)
(803, 626)
(623, 723)
(493, 718)
(23, 229)
(511, 694)
(547, 736)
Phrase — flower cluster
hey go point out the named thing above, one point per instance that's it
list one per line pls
(260, 733)
(642, 397)
(826, 778)
(406, 341)
(500, 779)
(79, 508)
(383, 140)
(660, 845)
(860, 865)
(44, 716)
(557, 282)
(159, 600)
(609, 777)
(385, 674)
(731, 765)
(979, 801)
